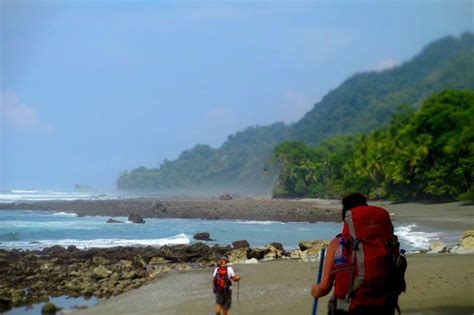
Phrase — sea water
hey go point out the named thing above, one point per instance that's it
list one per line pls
(26, 229)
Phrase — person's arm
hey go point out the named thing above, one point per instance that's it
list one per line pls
(322, 289)
(232, 274)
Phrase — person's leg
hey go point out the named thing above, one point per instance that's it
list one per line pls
(220, 300)
(218, 309)
(227, 302)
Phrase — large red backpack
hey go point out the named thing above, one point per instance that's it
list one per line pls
(368, 276)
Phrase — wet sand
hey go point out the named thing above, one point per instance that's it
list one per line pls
(437, 284)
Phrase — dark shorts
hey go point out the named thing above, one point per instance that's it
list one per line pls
(224, 299)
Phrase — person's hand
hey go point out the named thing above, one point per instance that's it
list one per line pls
(236, 278)
(315, 290)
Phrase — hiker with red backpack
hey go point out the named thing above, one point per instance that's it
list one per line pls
(364, 263)
(222, 285)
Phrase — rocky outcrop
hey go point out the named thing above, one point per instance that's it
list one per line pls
(113, 221)
(309, 250)
(136, 218)
(49, 309)
(225, 196)
(273, 251)
(240, 244)
(238, 255)
(203, 236)
(28, 277)
(304, 245)
(257, 253)
(466, 244)
(184, 253)
(438, 247)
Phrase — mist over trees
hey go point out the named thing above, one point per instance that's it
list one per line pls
(362, 103)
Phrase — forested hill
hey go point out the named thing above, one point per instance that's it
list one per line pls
(424, 155)
(362, 103)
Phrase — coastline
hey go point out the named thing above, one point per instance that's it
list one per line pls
(258, 209)
(452, 215)
(451, 219)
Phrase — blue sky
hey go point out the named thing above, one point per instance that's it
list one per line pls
(91, 88)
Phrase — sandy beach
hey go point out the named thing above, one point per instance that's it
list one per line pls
(437, 284)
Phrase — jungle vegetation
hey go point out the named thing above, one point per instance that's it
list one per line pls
(422, 155)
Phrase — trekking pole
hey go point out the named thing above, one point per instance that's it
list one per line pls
(320, 273)
(238, 290)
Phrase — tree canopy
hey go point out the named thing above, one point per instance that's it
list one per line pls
(423, 155)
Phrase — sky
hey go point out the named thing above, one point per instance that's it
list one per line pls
(91, 88)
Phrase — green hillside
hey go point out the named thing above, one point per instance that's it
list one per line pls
(362, 103)
(427, 155)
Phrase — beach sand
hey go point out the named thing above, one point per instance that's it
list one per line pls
(437, 284)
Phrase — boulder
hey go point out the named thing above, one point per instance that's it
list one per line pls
(129, 275)
(184, 253)
(278, 246)
(203, 236)
(240, 244)
(438, 247)
(251, 261)
(49, 308)
(55, 250)
(136, 218)
(71, 248)
(271, 252)
(225, 196)
(257, 253)
(100, 272)
(304, 245)
(5, 304)
(238, 255)
(158, 261)
(118, 221)
(466, 244)
(308, 255)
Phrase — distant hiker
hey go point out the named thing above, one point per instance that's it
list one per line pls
(364, 262)
(222, 284)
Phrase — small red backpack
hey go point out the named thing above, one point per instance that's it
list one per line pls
(369, 273)
(222, 280)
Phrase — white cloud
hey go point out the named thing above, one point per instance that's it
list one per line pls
(386, 64)
(21, 116)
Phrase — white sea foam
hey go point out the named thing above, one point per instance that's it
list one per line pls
(259, 222)
(67, 214)
(99, 243)
(416, 239)
(38, 195)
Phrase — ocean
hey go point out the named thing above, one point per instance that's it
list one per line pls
(26, 229)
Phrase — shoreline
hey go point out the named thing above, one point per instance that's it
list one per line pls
(452, 215)
(257, 209)
(132, 265)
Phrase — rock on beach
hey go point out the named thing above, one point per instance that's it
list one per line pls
(466, 243)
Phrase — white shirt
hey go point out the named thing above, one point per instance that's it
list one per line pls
(230, 272)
